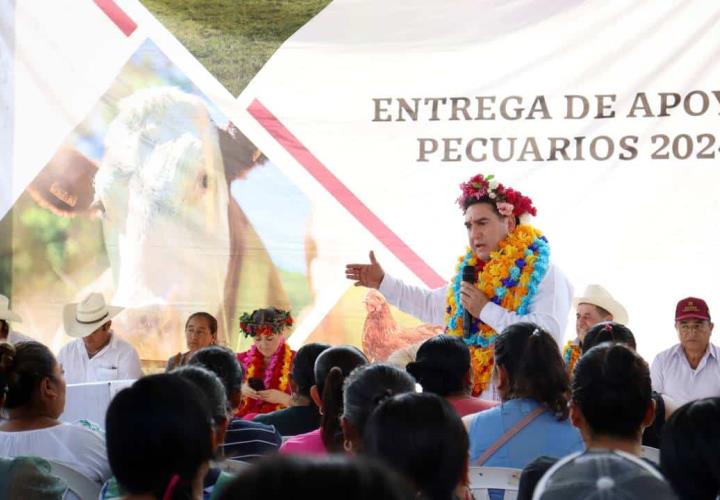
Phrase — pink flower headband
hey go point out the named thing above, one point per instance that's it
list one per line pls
(507, 200)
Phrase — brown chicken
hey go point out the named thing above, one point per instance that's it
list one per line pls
(382, 335)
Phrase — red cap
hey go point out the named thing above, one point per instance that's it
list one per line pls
(692, 308)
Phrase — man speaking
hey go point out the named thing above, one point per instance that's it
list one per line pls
(514, 278)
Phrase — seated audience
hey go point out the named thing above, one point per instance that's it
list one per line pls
(98, 353)
(7, 315)
(689, 455)
(200, 331)
(420, 436)
(159, 438)
(610, 474)
(214, 400)
(611, 404)
(244, 440)
(365, 388)
(302, 415)
(442, 366)
(34, 401)
(664, 406)
(331, 368)
(691, 369)
(267, 363)
(318, 478)
(532, 419)
(26, 477)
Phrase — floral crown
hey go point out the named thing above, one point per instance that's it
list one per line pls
(265, 322)
(507, 200)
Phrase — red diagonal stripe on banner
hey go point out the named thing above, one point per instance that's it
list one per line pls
(117, 15)
(343, 195)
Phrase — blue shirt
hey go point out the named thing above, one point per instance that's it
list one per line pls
(543, 436)
(546, 435)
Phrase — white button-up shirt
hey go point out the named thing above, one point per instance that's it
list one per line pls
(116, 361)
(549, 308)
(672, 375)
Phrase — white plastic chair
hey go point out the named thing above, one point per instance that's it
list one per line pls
(652, 454)
(78, 483)
(499, 478)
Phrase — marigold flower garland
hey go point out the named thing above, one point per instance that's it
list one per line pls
(571, 353)
(275, 376)
(510, 278)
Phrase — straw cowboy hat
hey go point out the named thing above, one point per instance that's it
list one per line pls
(598, 296)
(82, 319)
(5, 312)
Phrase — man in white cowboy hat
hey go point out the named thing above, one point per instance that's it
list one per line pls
(97, 354)
(7, 315)
(594, 306)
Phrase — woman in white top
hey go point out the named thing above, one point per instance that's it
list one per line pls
(35, 398)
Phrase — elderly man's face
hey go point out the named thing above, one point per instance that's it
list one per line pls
(486, 229)
(694, 334)
(587, 316)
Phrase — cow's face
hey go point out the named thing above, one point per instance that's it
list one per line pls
(163, 188)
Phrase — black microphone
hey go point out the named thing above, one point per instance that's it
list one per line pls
(468, 276)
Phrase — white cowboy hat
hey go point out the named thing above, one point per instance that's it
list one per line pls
(82, 319)
(598, 296)
(5, 312)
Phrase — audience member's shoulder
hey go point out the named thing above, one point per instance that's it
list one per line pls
(667, 353)
(64, 350)
(121, 342)
(83, 430)
(239, 424)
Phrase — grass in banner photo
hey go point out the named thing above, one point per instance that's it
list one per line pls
(232, 39)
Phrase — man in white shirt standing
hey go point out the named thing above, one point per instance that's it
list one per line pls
(514, 279)
(6, 316)
(97, 354)
(691, 369)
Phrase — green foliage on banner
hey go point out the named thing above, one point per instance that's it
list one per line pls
(53, 255)
(234, 39)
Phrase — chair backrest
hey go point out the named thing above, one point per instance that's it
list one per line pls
(652, 454)
(81, 485)
(498, 478)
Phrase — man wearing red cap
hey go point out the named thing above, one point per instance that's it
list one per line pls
(691, 369)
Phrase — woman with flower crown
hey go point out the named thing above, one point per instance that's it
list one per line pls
(514, 278)
(267, 363)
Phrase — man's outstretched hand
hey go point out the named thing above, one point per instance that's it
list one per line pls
(367, 275)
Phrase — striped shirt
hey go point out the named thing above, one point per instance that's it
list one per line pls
(246, 440)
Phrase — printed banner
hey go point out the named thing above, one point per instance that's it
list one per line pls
(239, 158)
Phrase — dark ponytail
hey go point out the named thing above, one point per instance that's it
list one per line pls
(331, 368)
(332, 435)
(534, 366)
